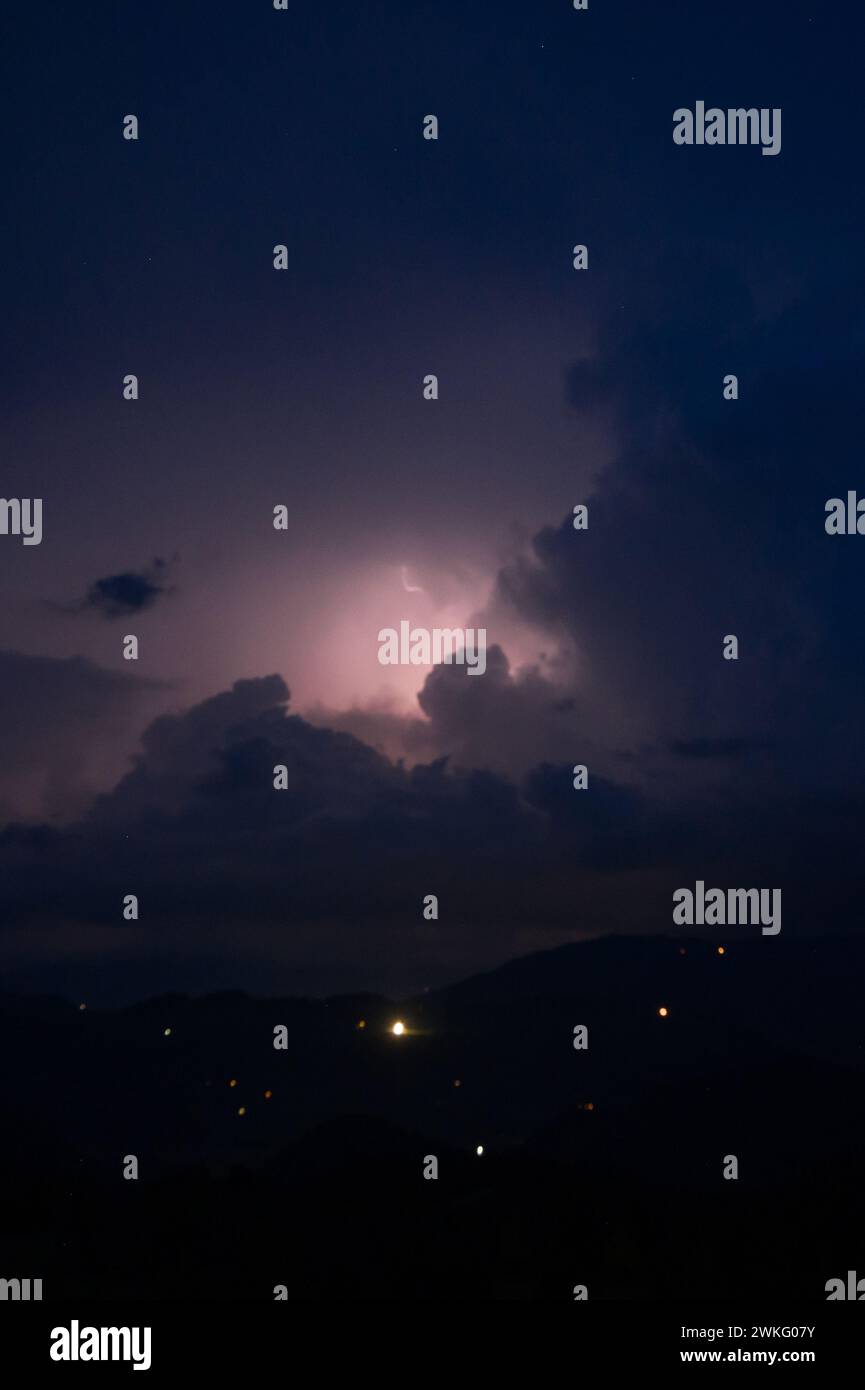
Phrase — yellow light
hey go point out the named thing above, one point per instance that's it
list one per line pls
(166, 1033)
(398, 1029)
(662, 1012)
(242, 1110)
(361, 1023)
(232, 1083)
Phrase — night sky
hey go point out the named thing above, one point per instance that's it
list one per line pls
(304, 388)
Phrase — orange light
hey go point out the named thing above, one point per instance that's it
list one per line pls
(662, 1012)
(590, 1105)
(458, 1084)
(721, 951)
(268, 1094)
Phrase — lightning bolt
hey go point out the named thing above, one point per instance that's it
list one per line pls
(409, 588)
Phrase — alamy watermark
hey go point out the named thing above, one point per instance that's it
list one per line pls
(735, 126)
(77, 1343)
(443, 645)
(22, 516)
(728, 907)
(20, 1290)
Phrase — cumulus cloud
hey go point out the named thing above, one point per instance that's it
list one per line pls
(708, 521)
(332, 872)
(351, 834)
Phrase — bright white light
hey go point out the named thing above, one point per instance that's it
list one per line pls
(398, 1029)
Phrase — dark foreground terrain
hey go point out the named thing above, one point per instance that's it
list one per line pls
(601, 1167)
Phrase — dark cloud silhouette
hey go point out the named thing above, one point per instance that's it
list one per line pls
(123, 595)
(333, 871)
(352, 834)
(710, 522)
(507, 720)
